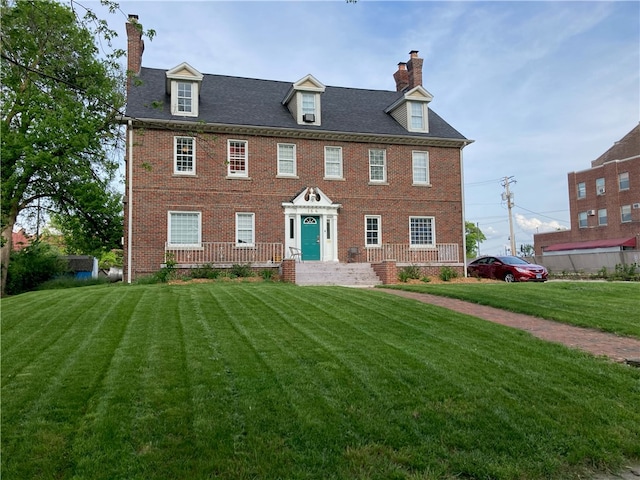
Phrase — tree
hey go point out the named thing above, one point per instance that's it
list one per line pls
(473, 236)
(60, 100)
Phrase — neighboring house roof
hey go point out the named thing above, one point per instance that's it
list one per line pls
(627, 147)
(591, 244)
(19, 240)
(237, 101)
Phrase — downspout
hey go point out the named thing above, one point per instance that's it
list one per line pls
(464, 232)
(129, 200)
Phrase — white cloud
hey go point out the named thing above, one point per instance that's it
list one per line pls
(535, 225)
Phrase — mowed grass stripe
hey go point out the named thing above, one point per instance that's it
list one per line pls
(277, 381)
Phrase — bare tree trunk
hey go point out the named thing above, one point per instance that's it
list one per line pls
(5, 252)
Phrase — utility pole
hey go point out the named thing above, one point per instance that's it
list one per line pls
(507, 196)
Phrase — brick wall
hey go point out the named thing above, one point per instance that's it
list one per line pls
(156, 190)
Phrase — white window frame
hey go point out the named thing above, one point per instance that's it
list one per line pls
(432, 227)
(304, 107)
(583, 220)
(581, 190)
(600, 186)
(417, 111)
(175, 98)
(293, 161)
(623, 178)
(383, 166)
(177, 154)
(416, 169)
(625, 212)
(602, 216)
(230, 161)
(377, 230)
(170, 221)
(339, 163)
(246, 242)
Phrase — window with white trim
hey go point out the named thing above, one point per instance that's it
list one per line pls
(245, 229)
(333, 162)
(372, 230)
(184, 97)
(602, 217)
(377, 165)
(582, 190)
(286, 159)
(237, 158)
(420, 164)
(416, 117)
(600, 186)
(184, 155)
(184, 229)
(625, 213)
(623, 181)
(583, 221)
(308, 103)
(422, 231)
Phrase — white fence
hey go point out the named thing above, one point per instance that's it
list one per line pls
(225, 253)
(403, 253)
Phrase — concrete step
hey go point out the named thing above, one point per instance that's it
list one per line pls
(324, 273)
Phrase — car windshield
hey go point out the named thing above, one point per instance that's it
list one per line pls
(513, 261)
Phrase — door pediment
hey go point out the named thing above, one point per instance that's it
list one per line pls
(312, 197)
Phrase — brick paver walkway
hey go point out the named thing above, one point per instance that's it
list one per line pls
(619, 349)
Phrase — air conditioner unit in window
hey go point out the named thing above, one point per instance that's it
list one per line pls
(591, 213)
(636, 205)
(309, 117)
(600, 190)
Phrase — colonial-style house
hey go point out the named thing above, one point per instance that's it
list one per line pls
(223, 170)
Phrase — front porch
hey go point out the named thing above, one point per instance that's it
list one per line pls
(271, 254)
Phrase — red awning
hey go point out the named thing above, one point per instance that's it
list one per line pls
(612, 242)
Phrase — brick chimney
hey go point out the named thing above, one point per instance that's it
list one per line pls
(401, 77)
(135, 47)
(414, 66)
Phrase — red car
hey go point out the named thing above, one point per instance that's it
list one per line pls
(508, 268)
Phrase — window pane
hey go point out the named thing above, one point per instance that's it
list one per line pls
(308, 103)
(625, 211)
(377, 165)
(417, 118)
(184, 229)
(600, 186)
(333, 162)
(420, 167)
(184, 97)
(582, 219)
(237, 157)
(421, 230)
(372, 230)
(184, 154)
(244, 227)
(602, 216)
(582, 190)
(286, 159)
(623, 180)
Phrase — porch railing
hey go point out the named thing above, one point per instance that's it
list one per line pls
(403, 253)
(225, 253)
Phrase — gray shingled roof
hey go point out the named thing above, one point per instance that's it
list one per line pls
(248, 101)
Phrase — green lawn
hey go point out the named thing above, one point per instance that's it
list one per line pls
(608, 306)
(266, 381)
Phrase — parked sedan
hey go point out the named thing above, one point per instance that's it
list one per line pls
(508, 268)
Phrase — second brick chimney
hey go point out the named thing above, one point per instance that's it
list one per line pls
(414, 66)
(401, 77)
(135, 47)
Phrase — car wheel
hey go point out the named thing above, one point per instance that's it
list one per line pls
(509, 278)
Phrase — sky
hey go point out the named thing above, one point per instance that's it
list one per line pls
(543, 88)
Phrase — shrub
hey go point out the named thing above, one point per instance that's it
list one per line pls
(71, 282)
(426, 279)
(625, 272)
(205, 271)
(267, 274)
(32, 266)
(238, 270)
(409, 272)
(168, 272)
(447, 273)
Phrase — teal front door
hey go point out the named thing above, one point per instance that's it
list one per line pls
(310, 238)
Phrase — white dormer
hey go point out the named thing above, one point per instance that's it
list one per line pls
(303, 100)
(183, 85)
(412, 110)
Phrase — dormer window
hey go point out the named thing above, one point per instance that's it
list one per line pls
(303, 101)
(183, 85)
(411, 110)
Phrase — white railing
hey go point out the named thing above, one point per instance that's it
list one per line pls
(225, 253)
(403, 253)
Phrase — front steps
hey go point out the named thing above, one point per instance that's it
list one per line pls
(333, 273)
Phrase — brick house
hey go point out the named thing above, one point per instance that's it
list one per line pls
(224, 170)
(604, 204)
